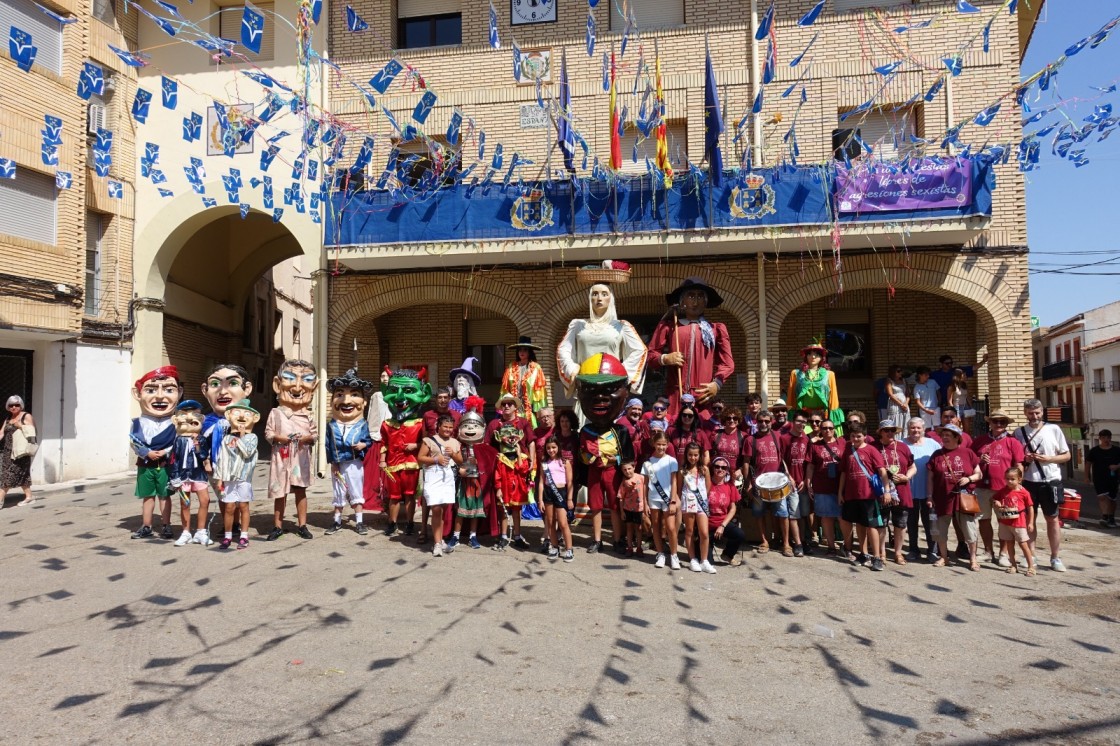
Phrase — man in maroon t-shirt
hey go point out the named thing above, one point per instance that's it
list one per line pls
(858, 502)
(762, 454)
(900, 469)
(998, 452)
(439, 407)
(795, 445)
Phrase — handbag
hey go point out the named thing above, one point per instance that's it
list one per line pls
(877, 488)
(967, 503)
(24, 441)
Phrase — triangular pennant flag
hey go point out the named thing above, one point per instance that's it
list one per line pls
(22, 51)
(354, 22)
(252, 28)
(170, 92)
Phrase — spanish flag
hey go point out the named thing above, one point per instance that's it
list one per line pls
(616, 138)
(662, 136)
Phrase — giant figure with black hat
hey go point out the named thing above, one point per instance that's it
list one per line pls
(697, 351)
(524, 378)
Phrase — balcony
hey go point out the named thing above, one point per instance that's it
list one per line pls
(1060, 369)
(1098, 387)
(1060, 415)
(1114, 385)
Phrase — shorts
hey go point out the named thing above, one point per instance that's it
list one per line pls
(1042, 494)
(1011, 533)
(863, 513)
(806, 506)
(1108, 490)
(348, 481)
(237, 492)
(655, 500)
(787, 507)
(633, 516)
(401, 485)
(193, 487)
(826, 506)
(897, 515)
(970, 527)
(984, 497)
(556, 498)
(152, 481)
(602, 488)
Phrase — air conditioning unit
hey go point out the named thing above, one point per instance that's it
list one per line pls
(95, 118)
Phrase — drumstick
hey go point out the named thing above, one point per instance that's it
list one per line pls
(677, 348)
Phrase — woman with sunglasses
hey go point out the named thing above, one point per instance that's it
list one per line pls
(15, 472)
(727, 442)
(723, 503)
(688, 429)
(822, 476)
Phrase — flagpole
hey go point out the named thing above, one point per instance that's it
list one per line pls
(711, 186)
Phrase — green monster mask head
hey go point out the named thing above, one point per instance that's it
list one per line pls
(406, 391)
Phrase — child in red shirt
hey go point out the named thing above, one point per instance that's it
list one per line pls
(632, 498)
(1015, 512)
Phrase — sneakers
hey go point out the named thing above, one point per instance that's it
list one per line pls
(391, 529)
(304, 532)
(202, 536)
(184, 538)
(520, 542)
(674, 562)
(568, 555)
(1056, 565)
(451, 543)
(877, 564)
(437, 550)
(275, 534)
(596, 546)
(1112, 521)
(362, 529)
(553, 552)
(503, 542)
(144, 532)
(410, 528)
(694, 565)
(913, 556)
(706, 566)
(798, 550)
(167, 532)
(620, 547)
(243, 542)
(546, 547)
(334, 529)
(474, 543)
(1002, 561)
(659, 560)
(225, 543)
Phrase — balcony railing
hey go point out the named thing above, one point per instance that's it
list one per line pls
(1060, 415)
(1060, 369)
(1114, 385)
(1098, 386)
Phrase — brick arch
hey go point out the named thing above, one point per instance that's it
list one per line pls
(402, 291)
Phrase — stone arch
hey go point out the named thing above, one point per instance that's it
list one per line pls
(987, 292)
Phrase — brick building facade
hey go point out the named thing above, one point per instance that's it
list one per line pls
(912, 289)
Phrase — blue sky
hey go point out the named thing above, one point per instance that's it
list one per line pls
(1075, 209)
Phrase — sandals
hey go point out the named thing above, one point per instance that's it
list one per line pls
(939, 563)
(1030, 571)
(787, 552)
(975, 567)
(1012, 570)
(763, 548)
(899, 559)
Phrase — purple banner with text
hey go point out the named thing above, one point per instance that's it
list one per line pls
(928, 185)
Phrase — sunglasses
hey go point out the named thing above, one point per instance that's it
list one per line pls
(717, 409)
(799, 422)
(687, 414)
(659, 409)
(508, 404)
(734, 419)
(719, 468)
(829, 427)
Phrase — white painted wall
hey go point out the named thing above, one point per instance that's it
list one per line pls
(1104, 406)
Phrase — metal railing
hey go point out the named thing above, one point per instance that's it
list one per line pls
(1060, 369)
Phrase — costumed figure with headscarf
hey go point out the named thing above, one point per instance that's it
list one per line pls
(601, 331)
(475, 494)
(525, 379)
(464, 384)
(698, 350)
(812, 387)
(348, 437)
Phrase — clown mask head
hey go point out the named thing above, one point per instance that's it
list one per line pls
(349, 395)
(472, 426)
(242, 417)
(602, 388)
(509, 437)
(407, 391)
(158, 391)
(294, 384)
(188, 418)
(224, 385)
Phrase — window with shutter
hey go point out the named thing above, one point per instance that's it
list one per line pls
(229, 27)
(29, 207)
(429, 23)
(46, 33)
(676, 136)
(888, 132)
(842, 6)
(94, 234)
(648, 14)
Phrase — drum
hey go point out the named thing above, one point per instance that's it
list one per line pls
(773, 487)
(1007, 514)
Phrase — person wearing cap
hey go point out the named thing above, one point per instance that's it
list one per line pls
(812, 386)
(998, 452)
(921, 448)
(152, 437)
(694, 353)
(780, 410)
(602, 385)
(234, 470)
(601, 331)
(509, 412)
(188, 471)
(1101, 468)
(953, 469)
(901, 471)
(524, 378)
(464, 383)
(1045, 450)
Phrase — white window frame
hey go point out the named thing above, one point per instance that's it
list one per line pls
(46, 33)
(95, 229)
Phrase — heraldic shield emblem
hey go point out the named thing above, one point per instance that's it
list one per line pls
(753, 200)
(531, 211)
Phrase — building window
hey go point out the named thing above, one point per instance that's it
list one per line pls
(278, 335)
(433, 159)
(1034, 356)
(46, 33)
(262, 329)
(295, 335)
(1076, 357)
(648, 14)
(849, 349)
(1114, 384)
(1068, 353)
(842, 6)
(229, 27)
(29, 206)
(887, 131)
(95, 231)
(676, 136)
(430, 31)
(1098, 379)
(247, 325)
(105, 11)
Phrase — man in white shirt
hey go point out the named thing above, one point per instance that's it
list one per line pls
(1045, 447)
